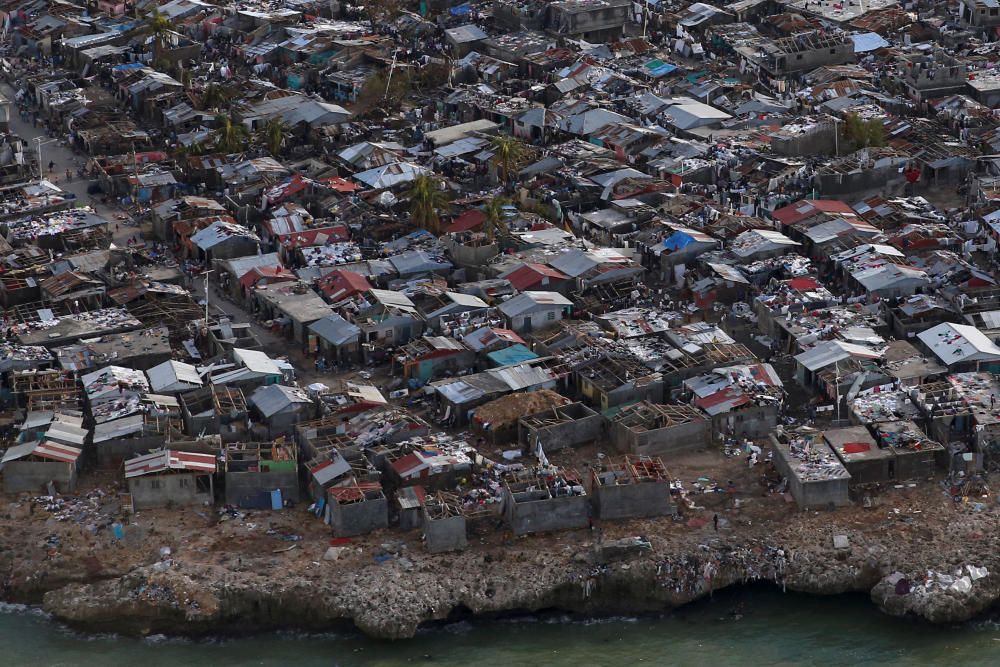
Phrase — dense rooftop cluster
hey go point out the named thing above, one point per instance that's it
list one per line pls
(414, 253)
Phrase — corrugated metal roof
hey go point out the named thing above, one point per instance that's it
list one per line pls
(394, 300)
(831, 352)
(241, 265)
(169, 459)
(37, 419)
(256, 361)
(330, 470)
(466, 33)
(173, 376)
(118, 428)
(71, 433)
(527, 302)
(390, 175)
(219, 232)
(522, 376)
(418, 261)
(335, 330)
(274, 398)
(955, 343)
(52, 451)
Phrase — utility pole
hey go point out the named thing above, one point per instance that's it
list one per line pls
(836, 380)
(388, 79)
(39, 142)
(206, 296)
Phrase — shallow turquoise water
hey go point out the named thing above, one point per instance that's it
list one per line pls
(748, 627)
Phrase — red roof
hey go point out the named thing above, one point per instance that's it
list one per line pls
(729, 395)
(467, 220)
(340, 284)
(169, 459)
(340, 184)
(317, 236)
(528, 276)
(354, 492)
(803, 283)
(272, 273)
(293, 186)
(807, 208)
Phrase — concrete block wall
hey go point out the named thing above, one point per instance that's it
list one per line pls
(629, 501)
(539, 516)
(115, 451)
(869, 471)
(162, 490)
(240, 485)
(411, 518)
(757, 421)
(916, 465)
(34, 476)
(447, 534)
(819, 494)
(359, 518)
(664, 441)
(587, 428)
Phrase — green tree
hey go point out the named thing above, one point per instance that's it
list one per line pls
(495, 222)
(214, 97)
(157, 25)
(509, 154)
(875, 133)
(182, 152)
(864, 133)
(426, 200)
(275, 134)
(230, 136)
(383, 11)
(381, 92)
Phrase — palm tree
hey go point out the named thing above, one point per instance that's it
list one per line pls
(426, 197)
(275, 134)
(230, 136)
(495, 222)
(508, 154)
(157, 25)
(213, 97)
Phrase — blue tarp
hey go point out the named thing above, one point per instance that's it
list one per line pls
(677, 240)
(127, 66)
(869, 41)
(515, 354)
(657, 68)
(276, 499)
(461, 10)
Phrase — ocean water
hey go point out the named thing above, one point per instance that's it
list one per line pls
(756, 626)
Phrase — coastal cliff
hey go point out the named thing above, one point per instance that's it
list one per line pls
(392, 599)
(915, 552)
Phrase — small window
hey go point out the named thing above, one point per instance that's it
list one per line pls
(798, 56)
(154, 484)
(833, 51)
(551, 315)
(183, 483)
(993, 11)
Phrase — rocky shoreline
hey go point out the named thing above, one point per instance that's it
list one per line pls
(916, 553)
(392, 601)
